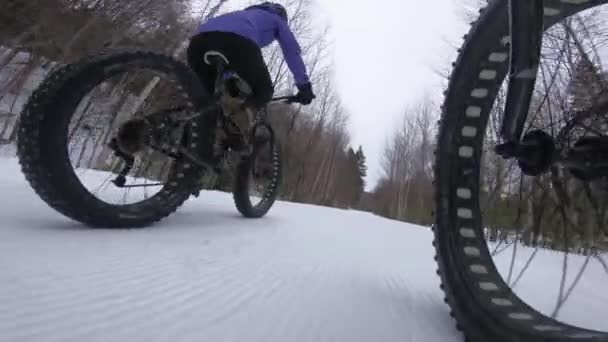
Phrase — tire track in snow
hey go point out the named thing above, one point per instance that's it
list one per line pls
(406, 306)
(117, 265)
(112, 311)
(294, 324)
(116, 272)
(103, 282)
(230, 297)
(235, 286)
(176, 298)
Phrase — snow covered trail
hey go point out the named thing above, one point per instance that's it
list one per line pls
(303, 273)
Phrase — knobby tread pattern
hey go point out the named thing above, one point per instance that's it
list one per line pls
(466, 321)
(240, 192)
(42, 141)
(478, 320)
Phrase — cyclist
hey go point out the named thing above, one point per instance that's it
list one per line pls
(240, 35)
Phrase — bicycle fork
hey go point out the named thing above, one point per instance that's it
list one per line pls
(526, 30)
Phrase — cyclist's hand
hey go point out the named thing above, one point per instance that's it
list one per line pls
(305, 94)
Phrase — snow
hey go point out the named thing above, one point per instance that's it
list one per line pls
(587, 305)
(302, 273)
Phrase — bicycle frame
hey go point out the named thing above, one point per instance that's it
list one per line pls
(526, 30)
(223, 73)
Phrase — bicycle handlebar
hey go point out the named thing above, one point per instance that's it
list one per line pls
(289, 99)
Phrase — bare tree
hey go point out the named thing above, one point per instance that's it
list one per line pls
(405, 191)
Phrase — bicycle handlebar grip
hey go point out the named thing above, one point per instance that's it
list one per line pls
(288, 99)
(294, 99)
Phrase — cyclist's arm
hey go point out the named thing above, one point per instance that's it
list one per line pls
(292, 53)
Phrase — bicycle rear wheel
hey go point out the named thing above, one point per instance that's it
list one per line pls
(58, 139)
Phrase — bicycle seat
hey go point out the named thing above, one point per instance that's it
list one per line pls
(216, 58)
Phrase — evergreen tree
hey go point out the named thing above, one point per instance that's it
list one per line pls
(362, 167)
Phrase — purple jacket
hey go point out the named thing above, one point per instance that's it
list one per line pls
(262, 27)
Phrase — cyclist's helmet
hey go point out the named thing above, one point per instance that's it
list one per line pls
(272, 7)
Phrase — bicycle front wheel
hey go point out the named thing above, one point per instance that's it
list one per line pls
(497, 228)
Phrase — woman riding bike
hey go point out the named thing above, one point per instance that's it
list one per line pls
(240, 35)
(194, 134)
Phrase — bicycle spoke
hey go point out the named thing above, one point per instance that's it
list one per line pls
(107, 182)
(562, 282)
(523, 270)
(497, 251)
(517, 230)
(602, 262)
(564, 297)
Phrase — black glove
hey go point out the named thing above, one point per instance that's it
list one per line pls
(305, 94)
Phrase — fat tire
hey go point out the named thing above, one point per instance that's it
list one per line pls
(42, 141)
(483, 305)
(240, 192)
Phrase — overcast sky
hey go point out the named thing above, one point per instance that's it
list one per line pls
(386, 55)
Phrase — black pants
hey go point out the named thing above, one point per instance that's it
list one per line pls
(244, 56)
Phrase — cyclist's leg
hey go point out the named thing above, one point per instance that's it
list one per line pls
(249, 63)
(244, 56)
(199, 45)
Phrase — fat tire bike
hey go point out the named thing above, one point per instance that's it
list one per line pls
(199, 137)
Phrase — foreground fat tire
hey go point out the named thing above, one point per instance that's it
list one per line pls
(241, 191)
(484, 306)
(42, 141)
